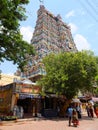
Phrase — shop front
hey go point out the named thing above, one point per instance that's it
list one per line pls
(26, 96)
(53, 105)
(23, 99)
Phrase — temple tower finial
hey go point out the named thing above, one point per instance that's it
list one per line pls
(41, 2)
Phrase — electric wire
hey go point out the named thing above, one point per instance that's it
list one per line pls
(89, 12)
(95, 2)
(91, 6)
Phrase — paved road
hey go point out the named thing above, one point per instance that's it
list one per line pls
(53, 124)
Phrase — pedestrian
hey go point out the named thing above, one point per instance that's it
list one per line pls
(88, 110)
(21, 112)
(15, 110)
(91, 111)
(70, 112)
(78, 109)
(95, 110)
(75, 120)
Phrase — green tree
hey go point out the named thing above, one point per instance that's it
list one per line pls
(67, 73)
(95, 91)
(96, 78)
(12, 46)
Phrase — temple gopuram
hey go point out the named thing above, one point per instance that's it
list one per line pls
(51, 35)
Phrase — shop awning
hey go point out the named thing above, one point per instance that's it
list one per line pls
(84, 98)
(76, 100)
(95, 99)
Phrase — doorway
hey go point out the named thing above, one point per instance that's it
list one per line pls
(26, 104)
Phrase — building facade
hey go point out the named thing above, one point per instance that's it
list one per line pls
(20, 94)
(8, 79)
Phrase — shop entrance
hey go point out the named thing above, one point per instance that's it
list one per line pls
(50, 107)
(26, 104)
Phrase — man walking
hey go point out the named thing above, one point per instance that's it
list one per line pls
(70, 112)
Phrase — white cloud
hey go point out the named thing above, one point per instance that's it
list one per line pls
(27, 33)
(81, 42)
(70, 14)
(74, 28)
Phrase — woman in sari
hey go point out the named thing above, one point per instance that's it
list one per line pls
(75, 120)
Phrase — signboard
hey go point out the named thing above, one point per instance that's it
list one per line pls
(23, 96)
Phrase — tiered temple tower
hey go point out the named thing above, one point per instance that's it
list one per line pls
(51, 35)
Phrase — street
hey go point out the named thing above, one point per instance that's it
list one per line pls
(86, 123)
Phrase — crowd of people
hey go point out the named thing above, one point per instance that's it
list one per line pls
(75, 112)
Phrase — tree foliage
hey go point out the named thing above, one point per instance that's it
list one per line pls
(95, 91)
(96, 78)
(67, 73)
(12, 46)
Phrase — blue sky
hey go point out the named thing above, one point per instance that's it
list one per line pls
(80, 15)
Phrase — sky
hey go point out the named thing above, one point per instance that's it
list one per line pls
(80, 15)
